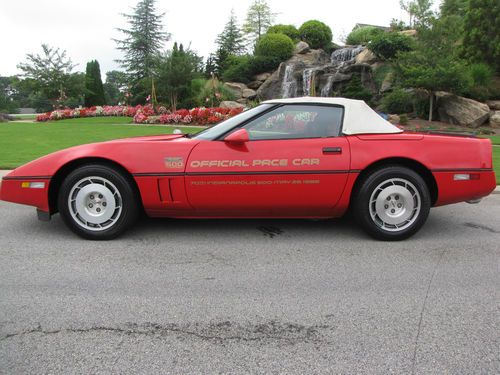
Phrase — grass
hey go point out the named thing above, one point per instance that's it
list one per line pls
(495, 139)
(22, 142)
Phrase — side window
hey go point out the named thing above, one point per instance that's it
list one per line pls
(297, 121)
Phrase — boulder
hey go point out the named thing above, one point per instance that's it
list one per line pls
(236, 88)
(412, 33)
(387, 82)
(254, 85)
(242, 101)
(301, 48)
(230, 104)
(249, 94)
(495, 119)
(365, 57)
(461, 111)
(493, 104)
(262, 77)
(394, 119)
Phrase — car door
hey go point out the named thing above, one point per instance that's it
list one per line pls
(294, 164)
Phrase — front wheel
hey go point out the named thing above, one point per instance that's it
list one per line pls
(97, 202)
(392, 203)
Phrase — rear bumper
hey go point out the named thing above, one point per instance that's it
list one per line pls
(454, 191)
(12, 190)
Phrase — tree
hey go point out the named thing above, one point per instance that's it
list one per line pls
(50, 72)
(481, 32)
(433, 66)
(142, 40)
(259, 19)
(176, 70)
(229, 43)
(454, 8)
(420, 12)
(116, 87)
(94, 90)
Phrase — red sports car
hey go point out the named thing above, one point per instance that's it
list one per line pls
(289, 158)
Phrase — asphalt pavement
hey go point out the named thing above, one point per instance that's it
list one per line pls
(251, 296)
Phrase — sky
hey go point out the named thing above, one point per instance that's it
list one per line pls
(85, 28)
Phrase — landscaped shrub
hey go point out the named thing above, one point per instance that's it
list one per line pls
(363, 35)
(278, 46)
(238, 69)
(398, 101)
(356, 90)
(261, 64)
(289, 30)
(387, 45)
(480, 78)
(213, 93)
(316, 34)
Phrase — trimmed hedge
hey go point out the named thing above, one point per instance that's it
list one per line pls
(316, 34)
(289, 30)
(277, 46)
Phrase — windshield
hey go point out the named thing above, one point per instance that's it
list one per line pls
(225, 126)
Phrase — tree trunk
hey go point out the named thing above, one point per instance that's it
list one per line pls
(431, 104)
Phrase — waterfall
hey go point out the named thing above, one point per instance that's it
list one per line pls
(308, 80)
(289, 85)
(345, 54)
(325, 91)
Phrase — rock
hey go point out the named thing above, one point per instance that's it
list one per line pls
(394, 119)
(493, 104)
(495, 119)
(249, 94)
(412, 33)
(301, 48)
(230, 104)
(462, 111)
(365, 57)
(254, 85)
(262, 77)
(242, 101)
(387, 82)
(236, 88)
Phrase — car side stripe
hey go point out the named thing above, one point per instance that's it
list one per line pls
(243, 173)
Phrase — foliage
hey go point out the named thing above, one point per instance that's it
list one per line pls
(420, 12)
(289, 30)
(199, 116)
(355, 89)
(403, 119)
(454, 8)
(7, 102)
(213, 93)
(398, 101)
(363, 35)
(381, 72)
(260, 64)
(259, 18)
(278, 46)
(142, 40)
(238, 69)
(175, 72)
(229, 43)
(50, 72)
(316, 34)
(481, 76)
(94, 89)
(387, 45)
(481, 32)
(116, 87)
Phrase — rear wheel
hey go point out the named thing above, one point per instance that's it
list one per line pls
(97, 202)
(392, 203)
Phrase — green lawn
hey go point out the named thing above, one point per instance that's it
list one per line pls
(495, 139)
(21, 142)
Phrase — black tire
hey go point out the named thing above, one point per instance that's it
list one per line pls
(376, 209)
(118, 195)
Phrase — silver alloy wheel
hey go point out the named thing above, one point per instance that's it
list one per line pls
(95, 203)
(395, 204)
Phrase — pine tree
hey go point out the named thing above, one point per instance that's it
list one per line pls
(259, 19)
(481, 32)
(94, 89)
(229, 43)
(143, 40)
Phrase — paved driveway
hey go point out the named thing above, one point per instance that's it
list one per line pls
(251, 296)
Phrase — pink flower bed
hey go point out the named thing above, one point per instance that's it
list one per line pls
(147, 114)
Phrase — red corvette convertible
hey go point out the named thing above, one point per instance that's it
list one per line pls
(289, 158)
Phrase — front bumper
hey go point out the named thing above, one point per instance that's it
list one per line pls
(18, 190)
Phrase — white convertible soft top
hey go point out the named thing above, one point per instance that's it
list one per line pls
(359, 118)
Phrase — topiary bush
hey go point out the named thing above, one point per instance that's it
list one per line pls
(398, 101)
(289, 30)
(316, 34)
(363, 35)
(387, 45)
(277, 46)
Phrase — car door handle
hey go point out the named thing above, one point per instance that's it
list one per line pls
(332, 150)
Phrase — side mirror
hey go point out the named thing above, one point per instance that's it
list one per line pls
(239, 136)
